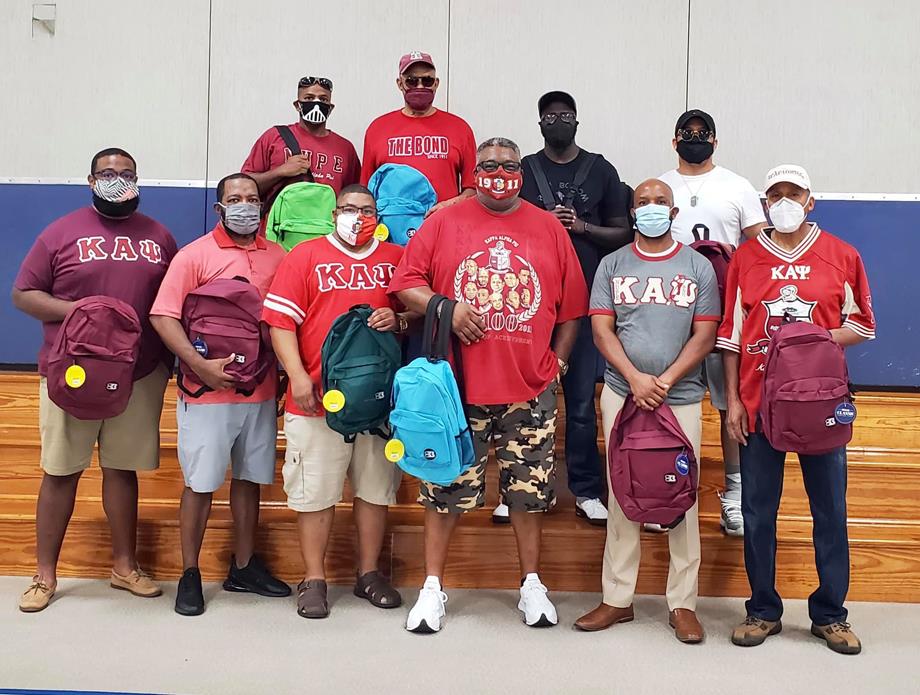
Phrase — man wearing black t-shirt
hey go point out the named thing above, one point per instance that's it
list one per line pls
(584, 191)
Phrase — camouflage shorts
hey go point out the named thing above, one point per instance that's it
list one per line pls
(524, 435)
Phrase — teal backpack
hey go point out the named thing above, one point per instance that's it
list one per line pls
(428, 417)
(360, 362)
(403, 196)
(301, 212)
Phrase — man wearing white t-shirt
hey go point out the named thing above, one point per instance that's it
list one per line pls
(718, 205)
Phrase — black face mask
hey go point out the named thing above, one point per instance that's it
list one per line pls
(695, 151)
(314, 112)
(559, 134)
(118, 210)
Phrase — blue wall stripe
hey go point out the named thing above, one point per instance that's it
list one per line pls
(885, 232)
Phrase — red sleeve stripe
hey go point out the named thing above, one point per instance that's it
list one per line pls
(601, 312)
(859, 329)
(724, 344)
(283, 309)
(707, 317)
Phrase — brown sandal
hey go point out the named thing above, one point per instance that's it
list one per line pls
(311, 599)
(374, 587)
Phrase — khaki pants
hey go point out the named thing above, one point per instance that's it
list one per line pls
(622, 552)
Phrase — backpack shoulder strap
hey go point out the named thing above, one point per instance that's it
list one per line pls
(289, 140)
(549, 201)
(584, 169)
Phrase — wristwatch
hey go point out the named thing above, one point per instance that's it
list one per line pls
(403, 323)
(563, 366)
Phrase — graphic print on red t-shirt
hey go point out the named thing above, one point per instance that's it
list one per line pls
(317, 282)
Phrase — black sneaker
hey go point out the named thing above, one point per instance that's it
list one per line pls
(254, 578)
(189, 597)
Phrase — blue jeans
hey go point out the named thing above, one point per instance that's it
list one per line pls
(825, 477)
(582, 461)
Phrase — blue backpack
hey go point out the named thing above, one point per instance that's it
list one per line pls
(403, 196)
(428, 417)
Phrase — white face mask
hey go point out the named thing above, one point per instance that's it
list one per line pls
(787, 215)
(346, 226)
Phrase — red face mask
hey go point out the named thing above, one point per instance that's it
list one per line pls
(499, 184)
(355, 230)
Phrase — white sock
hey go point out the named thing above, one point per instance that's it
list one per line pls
(432, 582)
(531, 577)
(732, 487)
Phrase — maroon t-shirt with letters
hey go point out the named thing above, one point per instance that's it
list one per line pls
(84, 254)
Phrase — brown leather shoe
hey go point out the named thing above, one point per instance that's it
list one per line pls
(839, 637)
(686, 626)
(603, 617)
(753, 631)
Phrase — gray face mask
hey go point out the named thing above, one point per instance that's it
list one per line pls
(242, 218)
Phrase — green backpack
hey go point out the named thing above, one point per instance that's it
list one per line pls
(302, 211)
(360, 362)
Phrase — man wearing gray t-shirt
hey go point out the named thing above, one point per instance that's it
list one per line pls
(654, 312)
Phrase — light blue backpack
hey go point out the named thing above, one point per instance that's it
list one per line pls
(428, 417)
(403, 196)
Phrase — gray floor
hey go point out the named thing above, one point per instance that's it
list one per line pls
(94, 638)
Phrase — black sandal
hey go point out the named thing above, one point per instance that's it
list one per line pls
(374, 587)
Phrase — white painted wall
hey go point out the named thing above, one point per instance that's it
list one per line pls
(829, 84)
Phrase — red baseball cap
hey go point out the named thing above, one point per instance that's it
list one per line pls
(410, 59)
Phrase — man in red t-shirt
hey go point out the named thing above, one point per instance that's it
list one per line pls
(317, 282)
(521, 293)
(793, 269)
(330, 158)
(437, 143)
(107, 249)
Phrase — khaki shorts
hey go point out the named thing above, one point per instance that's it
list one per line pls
(524, 435)
(128, 442)
(317, 459)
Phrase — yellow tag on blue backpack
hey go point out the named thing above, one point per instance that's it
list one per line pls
(382, 232)
(334, 400)
(394, 450)
(75, 376)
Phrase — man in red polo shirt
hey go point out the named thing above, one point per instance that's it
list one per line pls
(222, 427)
(437, 143)
(521, 293)
(329, 157)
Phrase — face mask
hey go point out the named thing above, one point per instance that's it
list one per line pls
(559, 134)
(315, 112)
(242, 218)
(115, 198)
(354, 229)
(787, 215)
(695, 151)
(653, 221)
(499, 184)
(419, 99)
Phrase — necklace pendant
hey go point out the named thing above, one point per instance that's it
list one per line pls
(693, 201)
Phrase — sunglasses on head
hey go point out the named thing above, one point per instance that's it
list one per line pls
(427, 81)
(491, 165)
(686, 134)
(323, 82)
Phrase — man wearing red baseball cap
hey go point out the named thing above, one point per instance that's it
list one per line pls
(437, 143)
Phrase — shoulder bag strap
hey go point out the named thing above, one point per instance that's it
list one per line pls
(549, 201)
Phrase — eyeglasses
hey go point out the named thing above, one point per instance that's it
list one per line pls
(323, 82)
(687, 135)
(565, 116)
(353, 210)
(491, 165)
(111, 175)
(427, 81)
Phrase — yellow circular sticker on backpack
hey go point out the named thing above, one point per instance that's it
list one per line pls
(75, 376)
(334, 400)
(394, 450)
(382, 232)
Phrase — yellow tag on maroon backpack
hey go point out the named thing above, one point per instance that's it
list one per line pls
(75, 376)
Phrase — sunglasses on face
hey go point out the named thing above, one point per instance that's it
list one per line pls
(323, 82)
(111, 175)
(491, 165)
(353, 210)
(565, 117)
(412, 82)
(687, 135)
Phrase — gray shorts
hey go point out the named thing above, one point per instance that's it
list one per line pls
(714, 378)
(213, 435)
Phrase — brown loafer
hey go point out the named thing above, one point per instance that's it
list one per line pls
(37, 597)
(603, 617)
(138, 583)
(374, 587)
(686, 626)
(311, 599)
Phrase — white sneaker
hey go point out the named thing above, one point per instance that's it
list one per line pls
(500, 514)
(425, 616)
(591, 510)
(538, 610)
(732, 521)
(654, 528)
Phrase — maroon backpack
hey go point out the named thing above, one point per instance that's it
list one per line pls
(806, 406)
(653, 470)
(719, 257)
(223, 318)
(91, 364)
